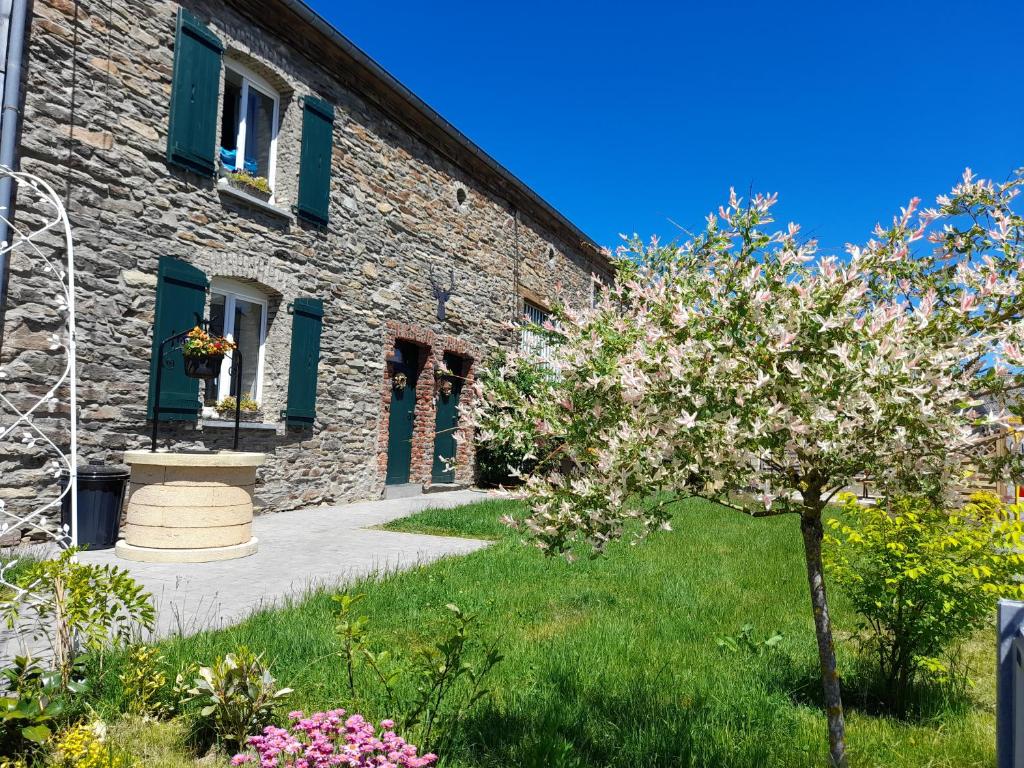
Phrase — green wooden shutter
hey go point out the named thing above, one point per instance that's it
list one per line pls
(307, 322)
(192, 132)
(180, 301)
(315, 160)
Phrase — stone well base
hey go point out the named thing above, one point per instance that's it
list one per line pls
(199, 555)
(189, 507)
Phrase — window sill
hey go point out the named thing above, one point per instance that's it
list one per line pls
(230, 424)
(225, 188)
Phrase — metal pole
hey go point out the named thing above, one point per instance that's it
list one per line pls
(1010, 627)
(236, 370)
(156, 391)
(72, 378)
(9, 119)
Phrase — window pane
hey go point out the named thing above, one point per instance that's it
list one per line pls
(248, 325)
(216, 329)
(230, 116)
(259, 128)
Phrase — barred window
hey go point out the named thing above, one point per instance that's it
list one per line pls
(535, 343)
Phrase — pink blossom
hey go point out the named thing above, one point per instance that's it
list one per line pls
(326, 739)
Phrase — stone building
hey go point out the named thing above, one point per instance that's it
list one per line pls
(241, 161)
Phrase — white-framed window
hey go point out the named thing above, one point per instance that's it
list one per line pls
(532, 342)
(239, 312)
(250, 117)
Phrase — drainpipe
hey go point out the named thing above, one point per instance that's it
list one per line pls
(13, 14)
(516, 314)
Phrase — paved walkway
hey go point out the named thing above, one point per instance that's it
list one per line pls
(298, 552)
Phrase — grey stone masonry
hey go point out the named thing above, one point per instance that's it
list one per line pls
(95, 121)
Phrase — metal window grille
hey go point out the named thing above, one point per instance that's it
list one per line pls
(534, 343)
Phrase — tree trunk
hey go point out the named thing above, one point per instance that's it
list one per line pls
(810, 527)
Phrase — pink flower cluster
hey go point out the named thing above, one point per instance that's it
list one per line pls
(328, 739)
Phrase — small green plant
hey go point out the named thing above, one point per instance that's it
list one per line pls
(144, 681)
(445, 682)
(29, 705)
(352, 630)
(81, 607)
(746, 641)
(923, 579)
(246, 179)
(439, 669)
(237, 694)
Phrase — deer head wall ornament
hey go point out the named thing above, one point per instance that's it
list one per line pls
(441, 293)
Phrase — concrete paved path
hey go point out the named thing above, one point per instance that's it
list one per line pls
(299, 551)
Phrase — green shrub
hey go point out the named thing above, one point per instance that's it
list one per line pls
(144, 681)
(78, 606)
(923, 579)
(29, 705)
(237, 694)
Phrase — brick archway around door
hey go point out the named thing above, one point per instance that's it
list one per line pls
(432, 348)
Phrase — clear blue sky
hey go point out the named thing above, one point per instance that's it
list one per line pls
(630, 116)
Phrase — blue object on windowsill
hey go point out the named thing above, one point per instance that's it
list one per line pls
(229, 159)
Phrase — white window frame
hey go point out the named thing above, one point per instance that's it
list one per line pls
(251, 80)
(531, 342)
(232, 290)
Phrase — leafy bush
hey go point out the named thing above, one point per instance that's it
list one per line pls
(144, 680)
(326, 739)
(505, 454)
(80, 606)
(238, 696)
(430, 692)
(923, 578)
(29, 705)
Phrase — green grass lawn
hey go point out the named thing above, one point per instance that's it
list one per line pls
(613, 661)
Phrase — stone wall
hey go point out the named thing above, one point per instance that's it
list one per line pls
(97, 87)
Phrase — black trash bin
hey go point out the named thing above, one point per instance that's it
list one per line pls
(100, 497)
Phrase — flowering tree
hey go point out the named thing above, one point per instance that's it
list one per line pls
(745, 367)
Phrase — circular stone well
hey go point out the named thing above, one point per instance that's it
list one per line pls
(189, 507)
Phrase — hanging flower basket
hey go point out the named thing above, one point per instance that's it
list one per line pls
(204, 354)
(203, 366)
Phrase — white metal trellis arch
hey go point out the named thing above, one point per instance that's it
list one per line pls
(38, 198)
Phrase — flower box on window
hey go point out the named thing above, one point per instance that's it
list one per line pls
(257, 186)
(249, 410)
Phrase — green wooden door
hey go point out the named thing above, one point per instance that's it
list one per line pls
(447, 422)
(402, 417)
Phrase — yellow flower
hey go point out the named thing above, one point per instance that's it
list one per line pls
(81, 747)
